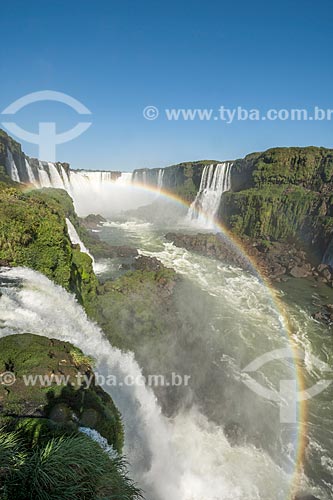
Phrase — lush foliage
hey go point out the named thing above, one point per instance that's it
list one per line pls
(134, 306)
(67, 468)
(283, 193)
(33, 233)
(61, 397)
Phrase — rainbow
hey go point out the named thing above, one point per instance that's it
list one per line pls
(286, 328)
(238, 246)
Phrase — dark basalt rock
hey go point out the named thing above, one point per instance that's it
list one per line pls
(143, 263)
(92, 221)
(325, 314)
(300, 271)
(123, 251)
(211, 245)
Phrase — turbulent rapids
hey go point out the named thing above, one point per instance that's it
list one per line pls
(186, 458)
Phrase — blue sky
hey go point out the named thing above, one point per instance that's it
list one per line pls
(117, 57)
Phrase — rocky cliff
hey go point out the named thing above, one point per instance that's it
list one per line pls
(33, 233)
(182, 179)
(283, 194)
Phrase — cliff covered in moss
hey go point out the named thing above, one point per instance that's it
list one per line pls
(33, 233)
(57, 392)
(282, 194)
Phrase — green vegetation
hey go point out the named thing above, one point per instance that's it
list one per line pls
(33, 233)
(61, 395)
(67, 468)
(283, 194)
(8, 142)
(134, 306)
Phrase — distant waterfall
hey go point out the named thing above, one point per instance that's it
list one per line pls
(215, 181)
(160, 179)
(150, 178)
(124, 178)
(47, 174)
(92, 191)
(31, 175)
(12, 168)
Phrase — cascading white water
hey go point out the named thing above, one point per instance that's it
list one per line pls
(44, 178)
(31, 175)
(55, 177)
(91, 191)
(124, 178)
(11, 165)
(75, 238)
(215, 180)
(160, 179)
(186, 458)
(100, 440)
(98, 267)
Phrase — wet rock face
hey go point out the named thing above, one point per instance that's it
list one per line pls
(278, 261)
(275, 260)
(211, 245)
(143, 263)
(325, 314)
(92, 221)
(302, 271)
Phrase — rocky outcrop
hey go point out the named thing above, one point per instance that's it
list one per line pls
(276, 260)
(283, 194)
(92, 221)
(136, 306)
(211, 245)
(98, 248)
(143, 263)
(33, 233)
(57, 392)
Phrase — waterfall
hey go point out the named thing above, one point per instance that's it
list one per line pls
(91, 191)
(75, 238)
(100, 440)
(183, 458)
(12, 168)
(31, 175)
(99, 267)
(44, 177)
(149, 178)
(124, 178)
(160, 179)
(55, 177)
(215, 180)
(108, 192)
